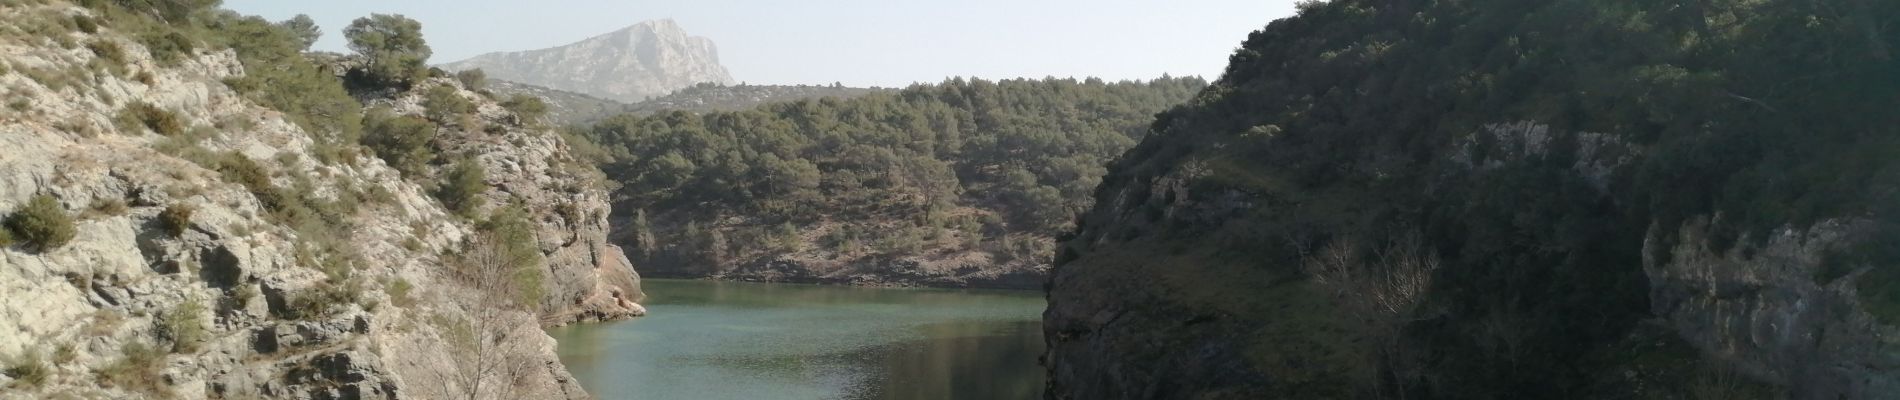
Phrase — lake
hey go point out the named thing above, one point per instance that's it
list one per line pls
(730, 340)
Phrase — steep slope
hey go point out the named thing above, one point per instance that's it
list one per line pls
(531, 170)
(960, 184)
(223, 249)
(646, 60)
(564, 107)
(1507, 199)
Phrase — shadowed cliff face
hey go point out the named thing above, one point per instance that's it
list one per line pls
(1612, 200)
(650, 59)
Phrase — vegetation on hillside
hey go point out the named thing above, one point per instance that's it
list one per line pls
(989, 159)
(1366, 121)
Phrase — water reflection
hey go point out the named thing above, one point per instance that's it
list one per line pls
(711, 340)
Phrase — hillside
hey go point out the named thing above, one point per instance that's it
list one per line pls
(964, 183)
(1506, 199)
(646, 60)
(193, 209)
(709, 97)
(564, 107)
(570, 108)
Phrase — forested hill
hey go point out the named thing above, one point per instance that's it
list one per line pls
(960, 183)
(1507, 199)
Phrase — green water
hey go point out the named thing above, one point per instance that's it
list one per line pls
(725, 340)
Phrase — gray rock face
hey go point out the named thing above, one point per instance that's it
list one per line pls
(1760, 307)
(589, 279)
(646, 60)
(394, 327)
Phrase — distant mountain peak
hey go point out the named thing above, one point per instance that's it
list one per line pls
(647, 59)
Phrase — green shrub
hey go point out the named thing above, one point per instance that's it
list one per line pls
(140, 114)
(183, 325)
(176, 219)
(168, 48)
(20, 105)
(42, 224)
(445, 103)
(463, 187)
(279, 76)
(6, 237)
(85, 24)
(529, 108)
(473, 80)
(401, 141)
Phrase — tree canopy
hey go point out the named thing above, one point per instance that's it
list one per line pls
(1029, 151)
(393, 45)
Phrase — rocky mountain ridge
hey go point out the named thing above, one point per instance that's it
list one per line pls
(646, 60)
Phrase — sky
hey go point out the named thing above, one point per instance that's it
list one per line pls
(887, 43)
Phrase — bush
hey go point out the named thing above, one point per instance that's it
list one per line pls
(401, 141)
(529, 108)
(85, 24)
(107, 208)
(176, 219)
(168, 48)
(183, 325)
(136, 370)
(445, 103)
(141, 114)
(321, 301)
(474, 79)
(236, 168)
(43, 224)
(6, 237)
(463, 188)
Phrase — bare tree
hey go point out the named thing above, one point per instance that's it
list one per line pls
(1382, 293)
(490, 347)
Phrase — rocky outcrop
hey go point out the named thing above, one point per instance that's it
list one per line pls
(240, 304)
(646, 60)
(528, 165)
(1761, 307)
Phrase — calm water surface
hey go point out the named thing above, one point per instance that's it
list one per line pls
(726, 340)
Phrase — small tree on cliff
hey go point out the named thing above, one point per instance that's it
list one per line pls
(1381, 292)
(393, 46)
(491, 347)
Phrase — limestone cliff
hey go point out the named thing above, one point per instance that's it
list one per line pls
(527, 164)
(649, 59)
(1506, 199)
(221, 250)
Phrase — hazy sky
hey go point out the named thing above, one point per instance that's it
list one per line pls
(859, 42)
